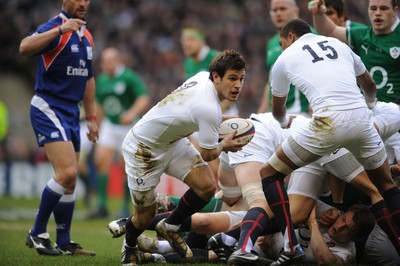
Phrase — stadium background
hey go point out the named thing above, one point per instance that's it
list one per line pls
(148, 34)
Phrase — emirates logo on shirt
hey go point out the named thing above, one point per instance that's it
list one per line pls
(72, 71)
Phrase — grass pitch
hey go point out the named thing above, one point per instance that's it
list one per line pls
(17, 217)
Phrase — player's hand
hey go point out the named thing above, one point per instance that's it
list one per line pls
(395, 170)
(226, 117)
(93, 134)
(317, 7)
(125, 118)
(288, 121)
(329, 217)
(229, 144)
(72, 24)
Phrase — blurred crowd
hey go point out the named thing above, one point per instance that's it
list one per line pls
(148, 35)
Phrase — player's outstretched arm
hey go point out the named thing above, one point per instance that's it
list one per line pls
(323, 24)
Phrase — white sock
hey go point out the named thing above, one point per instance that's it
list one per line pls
(164, 247)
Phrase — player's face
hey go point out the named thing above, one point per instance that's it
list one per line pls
(191, 45)
(76, 8)
(109, 62)
(282, 11)
(382, 15)
(229, 86)
(343, 228)
(333, 15)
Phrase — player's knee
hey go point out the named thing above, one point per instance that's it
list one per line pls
(254, 194)
(68, 174)
(208, 191)
(203, 223)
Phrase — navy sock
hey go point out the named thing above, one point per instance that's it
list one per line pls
(63, 213)
(234, 232)
(252, 226)
(132, 233)
(50, 196)
(195, 240)
(189, 204)
(278, 201)
(271, 228)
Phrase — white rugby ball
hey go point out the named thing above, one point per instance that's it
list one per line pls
(245, 129)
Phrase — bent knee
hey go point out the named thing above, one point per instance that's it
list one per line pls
(208, 192)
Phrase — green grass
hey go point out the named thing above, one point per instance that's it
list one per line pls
(90, 234)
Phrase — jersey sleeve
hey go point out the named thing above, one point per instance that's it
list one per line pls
(280, 85)
(209, 123)
(359, 66)
(46, 27)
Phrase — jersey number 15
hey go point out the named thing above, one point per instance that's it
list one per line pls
(324, 47)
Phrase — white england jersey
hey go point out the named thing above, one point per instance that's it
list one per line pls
(194, 106)
(324, 69)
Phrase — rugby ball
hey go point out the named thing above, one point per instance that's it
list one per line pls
(245, 129)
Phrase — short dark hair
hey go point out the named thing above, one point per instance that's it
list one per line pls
(364, 220)
(228, 59)
(338, 6)
(394, 3)
(296, 26)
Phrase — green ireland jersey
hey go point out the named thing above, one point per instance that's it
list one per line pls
(381, 56)
(192, 67)
(117, 94)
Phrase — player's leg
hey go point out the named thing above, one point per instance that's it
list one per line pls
(229, 189)
(305, 186)
(103, 157)
(186, 164)
(65, 172)
(256, 218)
(142, 184)
(370, 152)
(273, 173)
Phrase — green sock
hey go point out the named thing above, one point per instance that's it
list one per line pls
(102, 182)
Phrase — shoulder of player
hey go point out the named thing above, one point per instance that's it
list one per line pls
(50, 24)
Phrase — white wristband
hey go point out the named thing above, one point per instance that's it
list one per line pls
(371, 105)
(285, 122)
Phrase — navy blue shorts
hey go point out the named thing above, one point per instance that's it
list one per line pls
(55, 120)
